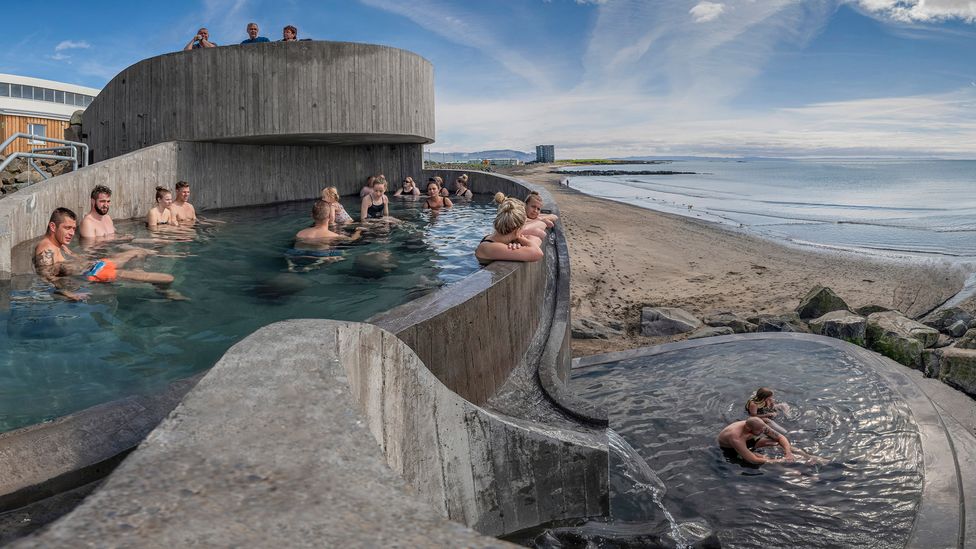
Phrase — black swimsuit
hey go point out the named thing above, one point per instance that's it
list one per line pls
(374, 211)
(484, 261)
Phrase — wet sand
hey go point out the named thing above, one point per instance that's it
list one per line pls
(624, 258)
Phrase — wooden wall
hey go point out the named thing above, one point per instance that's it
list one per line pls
(11, 124)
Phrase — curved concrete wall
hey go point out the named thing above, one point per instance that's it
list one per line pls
(308, 92)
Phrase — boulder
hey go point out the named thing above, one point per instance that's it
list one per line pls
(787, 322)
(841, 325)
(586, 328)
(7, 177)
(944, 341)
(663, 321)
(958, 328)
(899, 337)
(868, 309)
(818, 302)
(931, 362)
(711, 331)
(77, 118)
(28, 177)
(967, 341)
(957, 368)
(60, 168)
(737, 323)
(944, 319)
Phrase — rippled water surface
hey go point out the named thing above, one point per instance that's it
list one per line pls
(239, 274)
(671, 406)
(913, 207)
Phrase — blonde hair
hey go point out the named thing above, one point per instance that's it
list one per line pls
(464, 177)
(510, 216)
(330, 192)
(499, 197)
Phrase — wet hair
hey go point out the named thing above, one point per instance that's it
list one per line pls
(534, 195)
(378, 181)
(161, 192)
(292, 29)
(181, 184)
(100, 189)
(440, 180)
(499, 197)
(510, 216)
(59, 214)
(320, 210)
(330, 192)
(463, 177)
(762, 394)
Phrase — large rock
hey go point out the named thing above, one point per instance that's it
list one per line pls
(60, 168)
(868, 309)
(663, 321)
(7, 177)
(841, 325)
(787, 322)
(711, 331)
(737, 323)
(953, 366)
(587, 328)
(899, 337)
(28, 177)
(944, 319)
(967, 341)
(818, 302)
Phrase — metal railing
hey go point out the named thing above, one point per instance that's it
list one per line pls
(78, 153)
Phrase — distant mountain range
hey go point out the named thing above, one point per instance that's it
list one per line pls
(479, 155)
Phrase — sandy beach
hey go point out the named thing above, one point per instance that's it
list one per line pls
(624, 258)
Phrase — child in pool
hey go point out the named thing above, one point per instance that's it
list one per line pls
(762, 405)
(337, 214)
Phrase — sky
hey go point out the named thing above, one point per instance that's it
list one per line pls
(598, 78)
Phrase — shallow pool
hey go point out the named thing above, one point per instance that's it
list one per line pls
(239, 273)
(670, 407)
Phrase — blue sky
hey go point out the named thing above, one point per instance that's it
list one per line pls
(599, 77)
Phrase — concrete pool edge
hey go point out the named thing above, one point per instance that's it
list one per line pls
(945, 517)
(232, 449)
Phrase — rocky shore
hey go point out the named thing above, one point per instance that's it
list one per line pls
(18, 174)
(581, 173)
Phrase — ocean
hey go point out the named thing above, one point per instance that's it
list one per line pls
(901, 208)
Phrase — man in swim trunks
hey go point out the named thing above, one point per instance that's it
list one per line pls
(54, 262)
(739, 439)
(185, 213)
(97, 223)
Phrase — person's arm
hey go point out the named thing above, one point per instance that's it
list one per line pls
(496, 251)
(740, 447)
(386, 206)
(189, 45)
(399, 191)
(782, 441)
(447, 202)
(364, 204)
(332, 214)
(54, 272)
(754, 409)
(207, 44)
(416, 191)
(445, 192)
(86, 230)
(152, 218)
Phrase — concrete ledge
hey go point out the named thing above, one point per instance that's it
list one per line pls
(945, 517)
(271, 439)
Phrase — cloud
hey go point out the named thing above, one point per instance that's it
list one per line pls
(706, 11)
(70, 44)
(921, 11)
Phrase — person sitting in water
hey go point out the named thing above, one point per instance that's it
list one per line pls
(54, 262)
(461, 189)
(532, 227)
(368, 187)
(320, 225)
(533, 209)
(375, 205)
(161, 214)
(408, 188)
(97, 223)
(435, 199)
(337, 213)
(762, 405)
(508, 243)
(440, 185)
(739, 439)
(186, 214)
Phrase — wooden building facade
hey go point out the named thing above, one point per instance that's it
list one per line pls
(38, 107)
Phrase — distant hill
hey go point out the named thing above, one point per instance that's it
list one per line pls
(479, 155)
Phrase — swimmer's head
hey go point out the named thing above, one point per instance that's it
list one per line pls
(499, 197)
(510, 216)
(533, 205)
(101, 199)
(433, 189)
(164, 196)
(182, 190)
(464, 177)
(756, 425)
(762, 394)
(62, 224)
(320, 211)
(379, 185)
(330, 194)
(462, 181)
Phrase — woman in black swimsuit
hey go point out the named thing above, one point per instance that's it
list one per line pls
(160, 214)
(408, 188)
(435, 200)
(375, 205)
(508, 243)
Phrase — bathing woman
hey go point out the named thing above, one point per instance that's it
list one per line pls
(161, 214)
(508, 243)
(435, 199)
(762, 405)
(375, 205)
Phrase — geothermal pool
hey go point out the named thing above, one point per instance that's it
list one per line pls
(670, 406)
(239, 273)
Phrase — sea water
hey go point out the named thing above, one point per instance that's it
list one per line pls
(909, 208)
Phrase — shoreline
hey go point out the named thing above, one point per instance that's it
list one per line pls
(624, 257)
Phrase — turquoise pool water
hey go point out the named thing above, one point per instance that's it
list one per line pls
(239, 273)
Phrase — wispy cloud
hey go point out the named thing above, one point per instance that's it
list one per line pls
(706, 11)
(70, 45)
(921, 10)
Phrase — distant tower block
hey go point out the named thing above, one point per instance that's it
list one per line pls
(545, 153)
